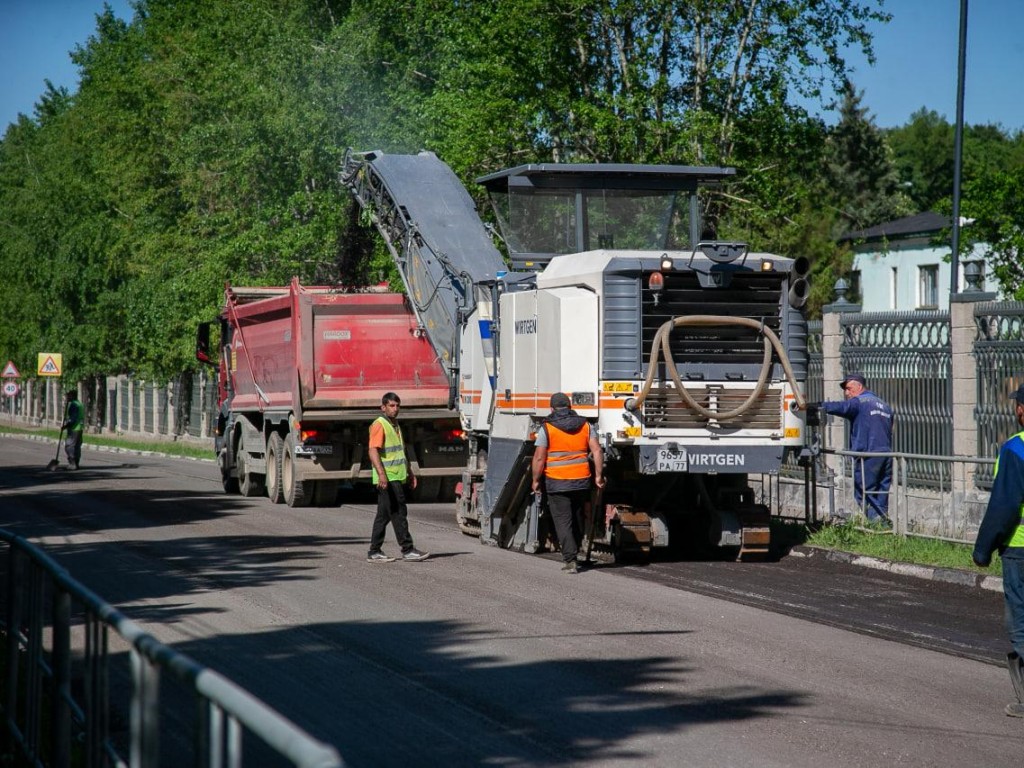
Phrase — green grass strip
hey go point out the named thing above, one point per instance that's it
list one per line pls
(167, 448)
(851, 536)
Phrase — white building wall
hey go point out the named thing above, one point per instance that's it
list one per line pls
(881, 293)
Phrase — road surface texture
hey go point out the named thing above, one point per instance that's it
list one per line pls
(482, 657)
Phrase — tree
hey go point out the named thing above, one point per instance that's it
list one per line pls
(203, 143)
(861, 179)
(995, 203)
(923, 153)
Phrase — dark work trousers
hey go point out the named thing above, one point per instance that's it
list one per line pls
(73, 447)
(567, 510)
(391, 508)
(871, 486)
(1013, 590)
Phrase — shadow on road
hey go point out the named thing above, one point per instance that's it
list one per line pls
(422, 693)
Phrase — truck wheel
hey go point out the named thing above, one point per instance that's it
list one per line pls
(325, 493)
(297, 493)
(248, 483)
(230, 483)
(275, 450)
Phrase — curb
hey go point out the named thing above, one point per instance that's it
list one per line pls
(947, 575)
(109, 448)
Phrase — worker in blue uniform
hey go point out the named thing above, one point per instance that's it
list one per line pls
(1002, 529)
(871, 423)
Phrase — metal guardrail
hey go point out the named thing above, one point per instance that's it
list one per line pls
(949, 507)
(57, 640)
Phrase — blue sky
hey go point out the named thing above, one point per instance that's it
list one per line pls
(916, 57)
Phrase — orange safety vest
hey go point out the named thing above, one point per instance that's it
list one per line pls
(567, 454)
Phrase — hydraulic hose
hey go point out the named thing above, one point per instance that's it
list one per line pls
(660, 347)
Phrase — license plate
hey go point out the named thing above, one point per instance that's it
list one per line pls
(671, 461)
(314, 449)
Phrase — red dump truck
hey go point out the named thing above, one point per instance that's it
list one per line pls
(301, 372)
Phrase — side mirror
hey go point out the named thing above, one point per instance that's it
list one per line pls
(203, 344)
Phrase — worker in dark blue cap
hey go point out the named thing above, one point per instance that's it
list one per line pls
(871, 422)
(1002, 530)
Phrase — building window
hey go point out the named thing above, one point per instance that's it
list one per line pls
(928, 286)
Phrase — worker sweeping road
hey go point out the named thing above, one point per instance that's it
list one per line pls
(74, 425)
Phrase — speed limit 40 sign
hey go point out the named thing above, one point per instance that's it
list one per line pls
(11, 388)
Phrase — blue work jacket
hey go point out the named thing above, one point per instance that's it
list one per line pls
(870, 420)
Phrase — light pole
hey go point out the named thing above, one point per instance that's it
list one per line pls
(958, 147)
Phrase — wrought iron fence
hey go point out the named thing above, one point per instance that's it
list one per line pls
(999, 353)
(83, 685)
(815, 363)
(907, 360)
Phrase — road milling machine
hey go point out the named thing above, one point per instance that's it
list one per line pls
(688, 354)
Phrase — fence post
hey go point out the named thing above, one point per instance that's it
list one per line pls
(12, 655)
(171, 398)
(832, 372)
(155, 407)
(204, 419)
(962, 333)
(110, 392)
(61, 660)
(131, 405)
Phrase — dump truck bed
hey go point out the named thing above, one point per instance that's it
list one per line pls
(317, 348)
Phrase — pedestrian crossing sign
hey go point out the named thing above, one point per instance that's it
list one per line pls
(10, 371)
(49, 364)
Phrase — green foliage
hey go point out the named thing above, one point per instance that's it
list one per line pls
(859, 173)
(204, 141)
(923, 151)
(995, 204)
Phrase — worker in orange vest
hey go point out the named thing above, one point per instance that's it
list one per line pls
(560, 457)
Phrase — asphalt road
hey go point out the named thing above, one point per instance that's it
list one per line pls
(484, 657)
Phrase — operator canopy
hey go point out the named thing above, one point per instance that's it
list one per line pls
(549, 209)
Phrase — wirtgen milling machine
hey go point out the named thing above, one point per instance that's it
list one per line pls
(688, 355)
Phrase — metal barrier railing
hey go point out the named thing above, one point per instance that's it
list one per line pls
(949, 507)
(57, 641)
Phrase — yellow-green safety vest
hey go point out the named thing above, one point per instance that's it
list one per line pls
(78, 425)
(392, 455)
(1017, 540)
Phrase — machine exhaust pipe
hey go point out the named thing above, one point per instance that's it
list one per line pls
(798, 293)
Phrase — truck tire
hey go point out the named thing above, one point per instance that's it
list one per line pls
(297, 493)
(248, 484)
(325, 493)
(230, 483)
(275, 450)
